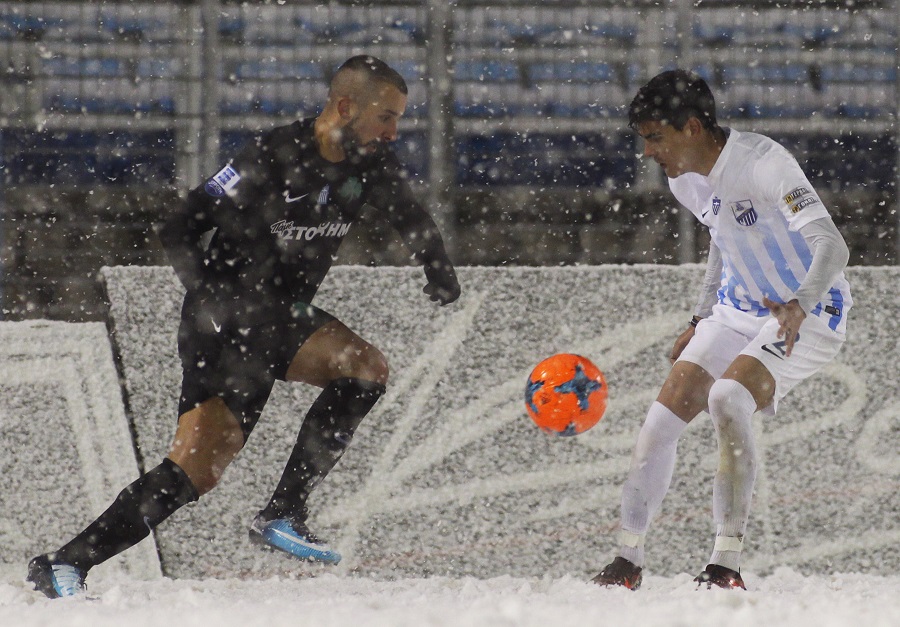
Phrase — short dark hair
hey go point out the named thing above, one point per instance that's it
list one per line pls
(375, 70)
(673, 97)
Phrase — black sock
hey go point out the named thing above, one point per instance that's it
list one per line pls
(324, 436)
(137, 510)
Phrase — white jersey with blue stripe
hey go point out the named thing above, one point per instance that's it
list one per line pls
(754, 201)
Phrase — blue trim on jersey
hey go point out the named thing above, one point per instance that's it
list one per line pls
(781, 264)
(756, 273)
(727, 290)
(837, 297)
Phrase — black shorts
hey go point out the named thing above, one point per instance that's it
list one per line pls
(239, 358)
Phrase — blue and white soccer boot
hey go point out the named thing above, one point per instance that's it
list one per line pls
(292, 537)
(55, 580)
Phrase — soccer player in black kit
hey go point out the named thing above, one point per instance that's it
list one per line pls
(277, 214)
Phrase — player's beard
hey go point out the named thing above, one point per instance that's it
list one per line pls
(351, 143)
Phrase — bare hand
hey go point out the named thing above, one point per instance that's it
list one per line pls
(790, 316)
(680, 343)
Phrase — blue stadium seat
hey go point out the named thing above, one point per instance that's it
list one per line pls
(277, 69)
(715, 34)
(546, 159)
(15, 25)
(86, 67)
(409, 69)
(159, 68)
(108, 96)
(859, 100)
(372, 34)
(839, 162)
(142, 24)
(591, 101)
(277, 99)
(787, 100)
(90, 157)
(486, 70)
(581, 71)
(855, 73)
(766, 73)
(272, 30)
(489, 100)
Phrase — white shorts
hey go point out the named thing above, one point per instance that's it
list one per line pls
(729, 332)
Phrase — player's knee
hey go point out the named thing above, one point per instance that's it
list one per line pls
(205, 479)
(366, 362)
(732, 406)
(376, 368)
(729, 400)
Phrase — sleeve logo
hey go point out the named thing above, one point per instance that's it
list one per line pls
(800, 198)
(223, 181)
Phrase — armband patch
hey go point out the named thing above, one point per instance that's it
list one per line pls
(219, 184)
(799, 198)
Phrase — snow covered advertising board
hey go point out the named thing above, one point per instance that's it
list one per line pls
(448, 476)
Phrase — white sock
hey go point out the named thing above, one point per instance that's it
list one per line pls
(648, 479)
(731, 406)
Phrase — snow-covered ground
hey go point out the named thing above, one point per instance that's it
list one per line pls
(783, 598)
(451, 508)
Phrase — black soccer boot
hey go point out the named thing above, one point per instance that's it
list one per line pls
(55, 580)
(715, 575)
(620, 572)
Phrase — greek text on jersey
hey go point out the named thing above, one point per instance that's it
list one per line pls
(285, 229)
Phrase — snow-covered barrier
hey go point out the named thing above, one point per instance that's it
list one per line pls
(67, 450)
(447, 475)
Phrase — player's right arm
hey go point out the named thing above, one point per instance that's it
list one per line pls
(705, 302)
(182, 235)
(185, 233)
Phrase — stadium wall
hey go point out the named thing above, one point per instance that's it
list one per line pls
(447, 476)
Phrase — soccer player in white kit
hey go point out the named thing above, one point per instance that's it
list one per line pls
(772, 311)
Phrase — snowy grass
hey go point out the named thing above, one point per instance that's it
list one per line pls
(783, 598)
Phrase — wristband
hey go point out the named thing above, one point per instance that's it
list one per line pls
(694, 321)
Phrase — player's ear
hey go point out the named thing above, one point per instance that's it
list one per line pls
(346, 108)
(693, 127)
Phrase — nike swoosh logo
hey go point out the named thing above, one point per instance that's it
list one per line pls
(217, 327)
(287, 197)
(703, 215)
(297, 540)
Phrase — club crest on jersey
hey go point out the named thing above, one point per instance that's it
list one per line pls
(717, 204)
(323, 195)
(744, 212)
(351, 189)
(219, 184)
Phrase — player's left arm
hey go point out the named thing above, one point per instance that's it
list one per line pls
(394, 198)
(830, 257)
(806, 213)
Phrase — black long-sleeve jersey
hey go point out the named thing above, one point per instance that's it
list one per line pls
(277, 215)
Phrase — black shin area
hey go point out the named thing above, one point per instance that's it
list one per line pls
(137, 510)
(324, 436)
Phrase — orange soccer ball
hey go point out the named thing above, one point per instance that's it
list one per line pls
(566, 394)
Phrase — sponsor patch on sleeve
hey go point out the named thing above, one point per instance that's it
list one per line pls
(799, 198)
(219, 184)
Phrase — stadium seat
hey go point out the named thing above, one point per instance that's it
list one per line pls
(277, 69)
(764, 73)
(580, 71)
(85, 67)
(490, 100)
(486, 70)
(14, 25)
